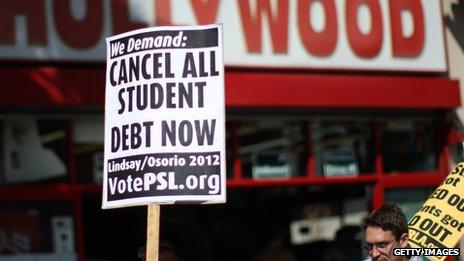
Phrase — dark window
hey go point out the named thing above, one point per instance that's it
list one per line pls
(408, 145)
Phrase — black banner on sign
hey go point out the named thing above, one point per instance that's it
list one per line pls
(164, 174)
(420, 238)
(186, 39)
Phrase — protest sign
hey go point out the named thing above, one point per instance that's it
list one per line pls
(164, 117)
(440, 221)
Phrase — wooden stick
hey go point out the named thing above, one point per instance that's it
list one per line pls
(153, 224)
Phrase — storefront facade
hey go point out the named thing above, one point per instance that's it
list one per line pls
(333, 107)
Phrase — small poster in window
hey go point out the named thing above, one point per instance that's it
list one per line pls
(340, 161)
(270, 165)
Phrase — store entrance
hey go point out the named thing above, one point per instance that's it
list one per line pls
(292, 223)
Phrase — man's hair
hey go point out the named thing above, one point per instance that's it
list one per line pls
(388, 217)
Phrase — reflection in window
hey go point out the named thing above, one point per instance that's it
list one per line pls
(26, 229)
(457, 153)
(342, 148)
(88, 149)
(89, 162)
(272, 149)
(230, 153)
(33, 150)
(408, 146)
(410, 200)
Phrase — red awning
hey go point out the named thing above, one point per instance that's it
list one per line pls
(51, 86)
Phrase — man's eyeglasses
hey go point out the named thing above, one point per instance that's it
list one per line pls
(379, 246)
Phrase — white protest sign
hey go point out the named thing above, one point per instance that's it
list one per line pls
(165, 117)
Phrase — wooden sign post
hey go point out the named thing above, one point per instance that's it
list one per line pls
(153, 221)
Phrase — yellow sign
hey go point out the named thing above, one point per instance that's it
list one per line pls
(440, 221)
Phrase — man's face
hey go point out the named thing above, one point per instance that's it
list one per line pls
(380, 244)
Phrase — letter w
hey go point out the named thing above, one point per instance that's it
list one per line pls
(205, 131)
(251, 24)
(115, 48)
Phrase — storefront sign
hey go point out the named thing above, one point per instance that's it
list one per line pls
(440, 221)
(164, 117)
(392, 35)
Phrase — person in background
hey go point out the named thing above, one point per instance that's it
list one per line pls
(386, 229)
(277, 248)
(346, 246)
